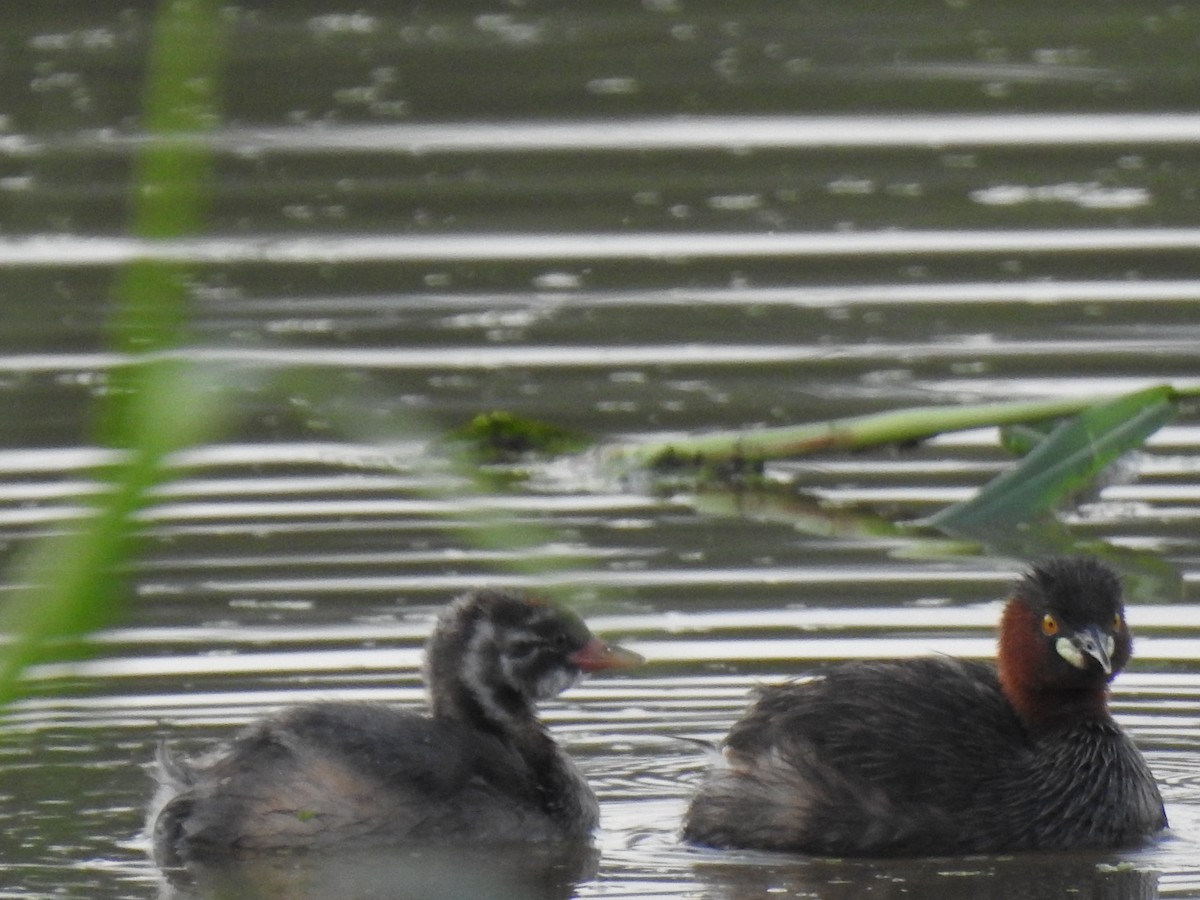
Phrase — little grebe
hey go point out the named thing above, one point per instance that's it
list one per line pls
(481, 768)
(938, 756)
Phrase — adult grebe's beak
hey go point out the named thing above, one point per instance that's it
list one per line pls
(1089, 641)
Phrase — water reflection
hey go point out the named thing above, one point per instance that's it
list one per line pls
(1026, 877)
(517, 872)
(59, 252)
(705, 132)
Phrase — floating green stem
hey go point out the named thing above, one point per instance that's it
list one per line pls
(902, 426)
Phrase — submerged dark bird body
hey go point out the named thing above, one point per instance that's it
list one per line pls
(939, 756)
(481, 768)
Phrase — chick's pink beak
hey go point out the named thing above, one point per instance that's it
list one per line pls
(596, 655)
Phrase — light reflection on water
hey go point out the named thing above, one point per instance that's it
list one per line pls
(741, 132)
(333, 248)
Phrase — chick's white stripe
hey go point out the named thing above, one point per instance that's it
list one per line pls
(476, 672)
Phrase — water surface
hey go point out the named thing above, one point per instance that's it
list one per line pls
(668, 217)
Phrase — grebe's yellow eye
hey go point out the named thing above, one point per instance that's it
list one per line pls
(1050, 625)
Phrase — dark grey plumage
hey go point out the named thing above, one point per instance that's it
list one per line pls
(942, 756)
(481, 768)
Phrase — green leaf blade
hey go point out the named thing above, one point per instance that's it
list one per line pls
(1068, 459)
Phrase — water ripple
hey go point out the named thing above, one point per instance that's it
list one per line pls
(62, 251)
(719, 132)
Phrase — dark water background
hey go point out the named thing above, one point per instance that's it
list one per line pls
(628, 219)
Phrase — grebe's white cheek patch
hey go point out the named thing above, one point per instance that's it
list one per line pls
(555, 681)
(1109, 645)
(1072, 654)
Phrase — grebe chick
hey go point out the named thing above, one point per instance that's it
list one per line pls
(939, 756)
(481, 768)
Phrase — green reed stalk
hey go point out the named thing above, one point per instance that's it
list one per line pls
(72, 583)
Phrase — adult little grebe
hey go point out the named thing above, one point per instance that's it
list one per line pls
(481, 768)
(941, 756)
